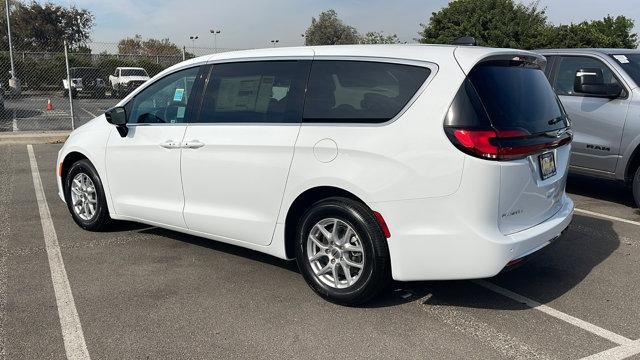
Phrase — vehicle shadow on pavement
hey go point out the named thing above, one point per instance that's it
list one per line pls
(222, 247)
(608, 190)
(550, 274)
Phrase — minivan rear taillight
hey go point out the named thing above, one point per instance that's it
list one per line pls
(504, 145)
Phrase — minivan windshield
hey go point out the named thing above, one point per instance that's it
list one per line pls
(517, 97)
(629, 63)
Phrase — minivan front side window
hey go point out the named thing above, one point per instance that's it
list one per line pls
(341, 91)
(164, 101)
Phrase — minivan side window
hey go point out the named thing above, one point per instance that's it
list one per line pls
(255, 92)
(567, 68)
(342, 91)
(164, 101)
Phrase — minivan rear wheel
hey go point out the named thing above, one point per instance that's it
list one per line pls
(342, 252)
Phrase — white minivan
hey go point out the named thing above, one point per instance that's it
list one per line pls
(363, 163)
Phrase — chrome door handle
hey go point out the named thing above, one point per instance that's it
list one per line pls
(170, 144)
(193, 144)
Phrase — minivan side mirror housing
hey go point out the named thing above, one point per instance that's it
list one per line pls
(118, 117)
(590, 81)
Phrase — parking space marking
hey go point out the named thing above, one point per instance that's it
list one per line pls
(609, 217)
(15, 123)
(72, 334)
(88, 112)
(617, 353)
(594, 329)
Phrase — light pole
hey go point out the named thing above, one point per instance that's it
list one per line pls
(215, 39)
(274, 42)
(193, 40)
(303, 38)
(14, 82)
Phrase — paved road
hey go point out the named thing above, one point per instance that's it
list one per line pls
(143, 292)
(31, 114)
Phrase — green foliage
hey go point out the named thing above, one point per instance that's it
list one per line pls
(376, 37)
(609, 32)
(150, 47)
(506, 23)
(498, 23)
(328, 29)
(44, 27)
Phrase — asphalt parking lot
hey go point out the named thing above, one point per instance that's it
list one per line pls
(29, 113)
(144, 292)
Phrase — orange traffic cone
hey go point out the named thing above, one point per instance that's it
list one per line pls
(49, 105)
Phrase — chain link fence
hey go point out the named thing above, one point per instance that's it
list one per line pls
(101, 74)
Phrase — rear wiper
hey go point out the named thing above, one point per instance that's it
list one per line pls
(556, 120)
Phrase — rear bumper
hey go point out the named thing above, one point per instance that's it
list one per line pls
(445, 247)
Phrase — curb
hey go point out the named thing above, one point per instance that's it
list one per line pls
(34, 137)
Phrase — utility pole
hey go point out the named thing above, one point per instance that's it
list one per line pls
(14, 82)
(215, 39)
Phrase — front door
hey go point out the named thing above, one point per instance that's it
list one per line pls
(597, 122)
(143, 168)
(236, 156)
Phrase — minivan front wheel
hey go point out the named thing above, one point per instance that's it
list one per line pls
(342, 252)
(85, 197)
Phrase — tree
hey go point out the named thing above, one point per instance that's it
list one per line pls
(149, 47)
(609, 32)
(377, 37)
(498, 23)
(328, 29)
(44, 27)
(505, 23)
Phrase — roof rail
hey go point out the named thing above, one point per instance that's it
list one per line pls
(465, 41)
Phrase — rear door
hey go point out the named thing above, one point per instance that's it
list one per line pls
(597, 122)
(237, 154)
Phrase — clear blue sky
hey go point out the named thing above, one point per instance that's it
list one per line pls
(252, 23)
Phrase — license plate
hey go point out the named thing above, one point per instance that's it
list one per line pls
(547, 165)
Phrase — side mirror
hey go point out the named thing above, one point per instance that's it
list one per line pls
(118, 117)
(591, 81)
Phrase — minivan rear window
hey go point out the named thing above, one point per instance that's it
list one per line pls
(341, 91)
(517, 96)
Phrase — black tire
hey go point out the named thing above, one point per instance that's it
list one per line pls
(100, 219)
(636, 187)
(375, 274)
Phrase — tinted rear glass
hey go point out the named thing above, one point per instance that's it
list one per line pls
(359, 91)
(517, 97)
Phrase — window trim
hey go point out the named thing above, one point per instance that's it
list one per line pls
(433, 68)
(190, 105)
(616, 75)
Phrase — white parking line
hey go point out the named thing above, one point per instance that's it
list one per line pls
(594, 329)
(617, 353)
(88, 112)
(609, 217)
(15, 123)
(72, 334)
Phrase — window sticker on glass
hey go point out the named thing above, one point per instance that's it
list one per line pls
(180, 112)
(177, 96)
(247, 93)
(622, 59)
